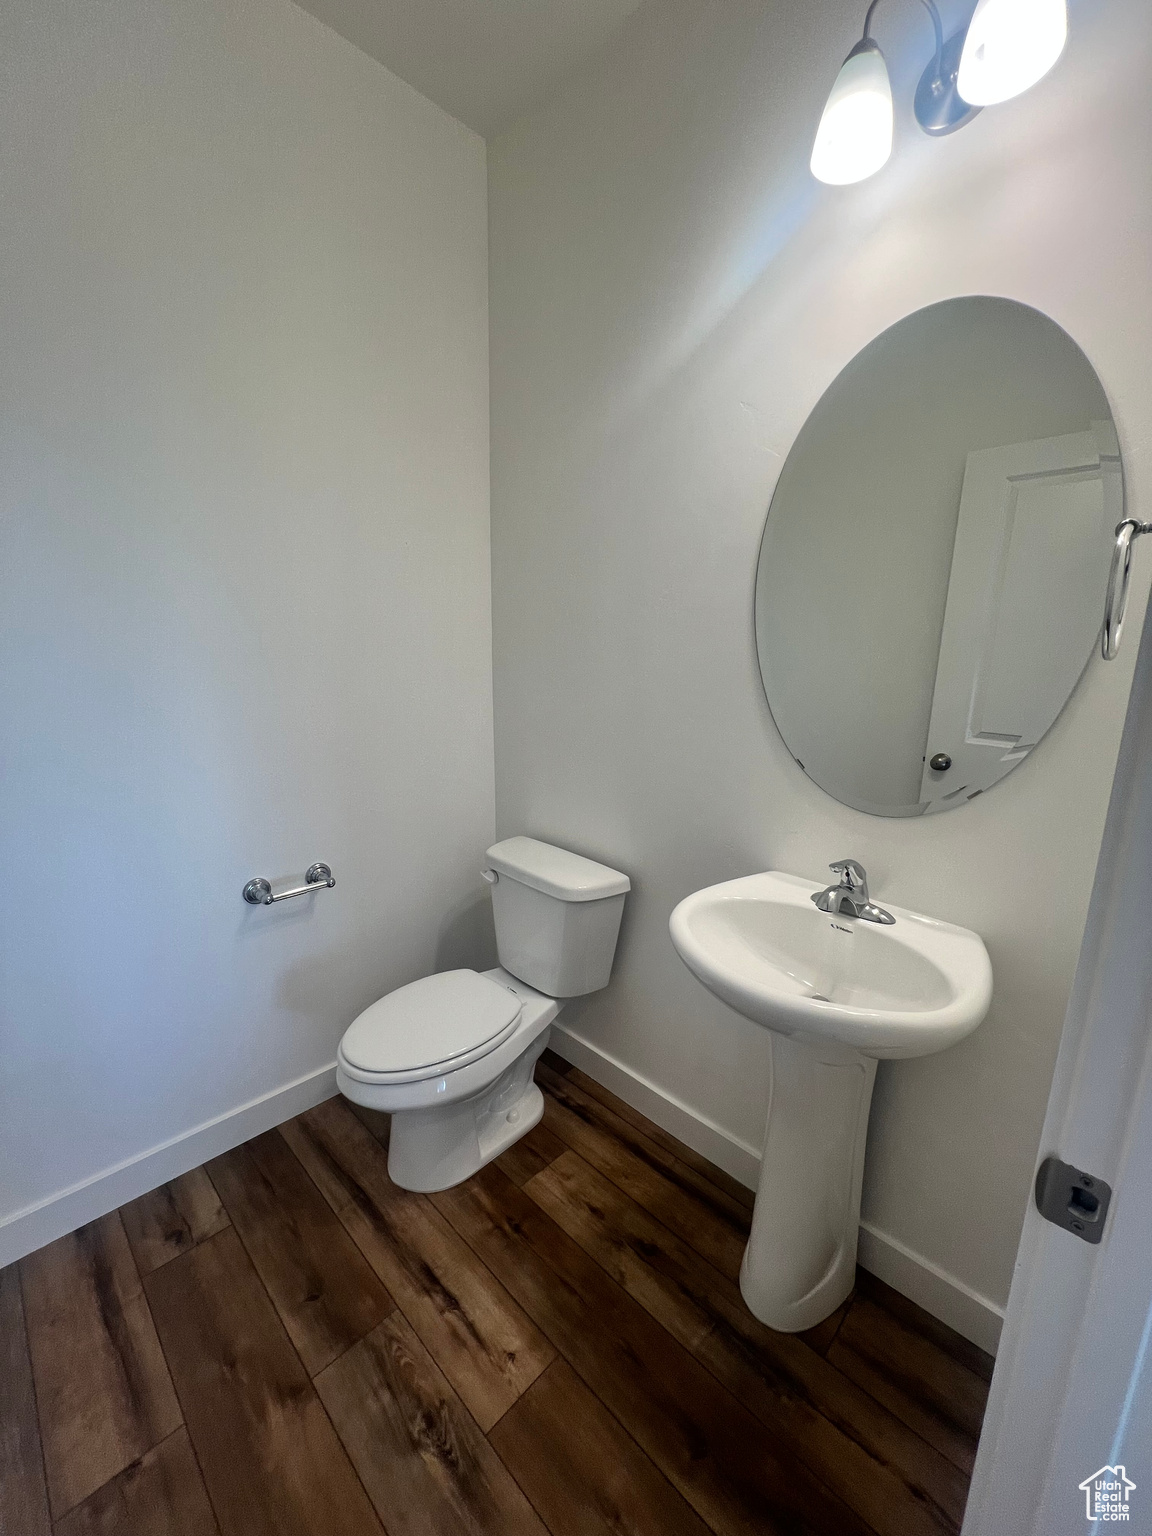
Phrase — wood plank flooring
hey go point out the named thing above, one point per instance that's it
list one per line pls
(285, 1342)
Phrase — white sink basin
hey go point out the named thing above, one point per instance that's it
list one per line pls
(762, 947)
(835, 994)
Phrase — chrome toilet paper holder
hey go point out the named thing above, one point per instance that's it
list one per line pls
(259, 893)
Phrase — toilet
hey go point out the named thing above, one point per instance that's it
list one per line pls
(450, 1057)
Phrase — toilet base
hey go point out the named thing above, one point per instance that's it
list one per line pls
(437, 1147)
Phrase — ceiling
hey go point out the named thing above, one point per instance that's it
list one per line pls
(484, 61)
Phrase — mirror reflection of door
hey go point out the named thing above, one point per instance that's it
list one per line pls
(1025, 599)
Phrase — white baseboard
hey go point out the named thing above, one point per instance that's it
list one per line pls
(945, 1297)
(30, 1228)
(918, 1278)
(930, 1287)
(695, 1130)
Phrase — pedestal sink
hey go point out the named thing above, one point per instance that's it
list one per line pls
(837, 993)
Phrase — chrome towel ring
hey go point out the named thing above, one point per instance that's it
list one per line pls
(1116, 602)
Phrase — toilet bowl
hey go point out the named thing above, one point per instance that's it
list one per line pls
(450, 1057)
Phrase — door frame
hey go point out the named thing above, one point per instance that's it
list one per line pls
(1072, 1389)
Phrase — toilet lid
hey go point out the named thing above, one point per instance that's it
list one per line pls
(431, 1023)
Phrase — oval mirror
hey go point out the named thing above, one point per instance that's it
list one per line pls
(933, 570)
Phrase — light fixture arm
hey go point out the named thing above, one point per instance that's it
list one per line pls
(938, 105)
(937, 27)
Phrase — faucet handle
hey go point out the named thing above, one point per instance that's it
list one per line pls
(853, 876)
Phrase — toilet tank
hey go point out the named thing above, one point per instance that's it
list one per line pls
(557, 915)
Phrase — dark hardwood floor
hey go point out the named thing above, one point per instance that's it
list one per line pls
(282, 1343)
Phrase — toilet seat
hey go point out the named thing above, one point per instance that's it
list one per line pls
(451, 1117)
(435, 1025)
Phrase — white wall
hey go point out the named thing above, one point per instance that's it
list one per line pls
(671, 293)
(245, 579)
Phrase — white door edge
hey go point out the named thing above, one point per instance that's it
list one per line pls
(1072, 1389)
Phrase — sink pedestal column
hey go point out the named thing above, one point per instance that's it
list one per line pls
(800, 1262)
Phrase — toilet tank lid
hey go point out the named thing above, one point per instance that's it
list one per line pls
(555, 871)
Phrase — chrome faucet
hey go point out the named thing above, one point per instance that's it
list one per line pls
(850, 895)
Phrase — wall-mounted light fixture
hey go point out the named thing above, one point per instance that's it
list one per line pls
(1006, 47)
(1009, 46)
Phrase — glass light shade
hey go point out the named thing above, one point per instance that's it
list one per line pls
(854, 138)
(1009, 46)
